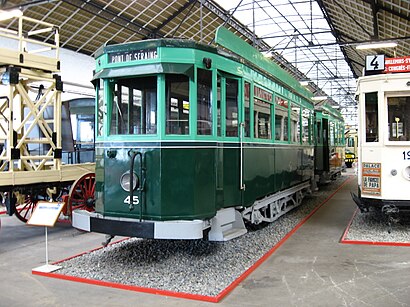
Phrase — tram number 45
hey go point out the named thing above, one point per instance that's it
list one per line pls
(136, 200)
(406, 155)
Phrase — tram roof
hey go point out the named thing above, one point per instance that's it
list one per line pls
(87, 25)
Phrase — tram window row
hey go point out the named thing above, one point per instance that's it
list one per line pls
(134, 110)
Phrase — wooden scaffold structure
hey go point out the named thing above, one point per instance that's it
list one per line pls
(31, 165)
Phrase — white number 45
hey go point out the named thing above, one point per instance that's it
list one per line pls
(135, 199)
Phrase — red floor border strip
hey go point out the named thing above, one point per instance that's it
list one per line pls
(343, 240)
(205, 298)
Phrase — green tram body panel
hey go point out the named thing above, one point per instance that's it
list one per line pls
(192, 176)
(193, 183)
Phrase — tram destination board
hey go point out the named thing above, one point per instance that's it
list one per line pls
(371, 178)
(132, 55)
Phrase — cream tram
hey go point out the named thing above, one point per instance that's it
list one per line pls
(384, 142)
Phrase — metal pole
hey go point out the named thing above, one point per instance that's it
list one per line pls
(46, 247)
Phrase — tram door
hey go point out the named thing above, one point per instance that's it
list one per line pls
(326, 157)
(322, 145)
(228, 155)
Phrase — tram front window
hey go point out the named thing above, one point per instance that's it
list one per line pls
(134, 106)
(372, 119)
(399, 118)
(177, 104)
(204, 98)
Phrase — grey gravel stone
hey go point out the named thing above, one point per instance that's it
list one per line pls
(374, 226)
(189, 266)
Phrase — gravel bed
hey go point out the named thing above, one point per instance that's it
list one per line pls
(190, 266)
(374, 226)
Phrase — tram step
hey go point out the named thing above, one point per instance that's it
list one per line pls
(226, 225)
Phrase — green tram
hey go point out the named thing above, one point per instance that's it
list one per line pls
(329, 143)
(194, 141)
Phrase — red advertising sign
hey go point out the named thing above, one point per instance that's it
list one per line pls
(396, 65)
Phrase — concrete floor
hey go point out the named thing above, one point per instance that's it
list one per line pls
(310, 269)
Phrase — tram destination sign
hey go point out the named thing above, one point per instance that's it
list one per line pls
(132, 55)
(396, 65)
(376, 64)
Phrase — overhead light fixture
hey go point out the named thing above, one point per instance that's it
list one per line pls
(376, 45)
(4, 15)
(317, 98)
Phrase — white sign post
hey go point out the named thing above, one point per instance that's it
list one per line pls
(46, 214)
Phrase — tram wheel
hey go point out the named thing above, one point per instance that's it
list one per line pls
(24, 212)
(81, 194)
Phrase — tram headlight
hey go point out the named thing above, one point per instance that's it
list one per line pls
(406, 172)
(125, 181)
(393, 172)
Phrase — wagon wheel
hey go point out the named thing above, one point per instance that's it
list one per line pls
(81, 194)
(24, 212)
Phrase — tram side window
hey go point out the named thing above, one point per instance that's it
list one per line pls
(247, 109)
(262, 115)
(281, 119)
(332, 134)
(372, 121)
(399, 118)
(177, 104)
(134, 106)
(218, 107)
(350, 142)
(305, 126)
(319, 132)
(295, 124)
(231, 107)
(204, 94)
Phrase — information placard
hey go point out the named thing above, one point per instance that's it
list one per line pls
(46, 214)
(371, 178)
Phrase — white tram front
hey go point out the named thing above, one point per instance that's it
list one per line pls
(384, 142)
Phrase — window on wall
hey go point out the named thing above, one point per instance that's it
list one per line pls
(134, 106)
(306, 126)
(204, 99)
(281, 119)
(247, 109)
(231, 91)
(372, 119)
(398, 109)
(177, 104)
(295, 123)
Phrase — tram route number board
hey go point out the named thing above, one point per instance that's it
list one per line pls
(371, 178)
(46, 214)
